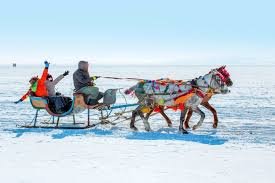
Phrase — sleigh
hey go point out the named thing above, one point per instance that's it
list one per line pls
(78, 105)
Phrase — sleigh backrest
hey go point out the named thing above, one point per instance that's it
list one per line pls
(38, 102)
(110, 97)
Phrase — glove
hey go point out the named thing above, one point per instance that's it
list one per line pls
(66, 73)
(47, 64)
(91, 83)
(127, 92)
(95, 77)
(58, 94)
(18, 101)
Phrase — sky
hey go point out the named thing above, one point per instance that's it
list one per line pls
(138, 32)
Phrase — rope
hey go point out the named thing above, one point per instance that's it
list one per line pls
(159, 81)
(136, 79)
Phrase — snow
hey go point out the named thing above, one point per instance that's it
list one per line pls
(241, 150)
(108, 159)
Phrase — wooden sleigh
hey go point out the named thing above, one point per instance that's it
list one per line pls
(78, 106)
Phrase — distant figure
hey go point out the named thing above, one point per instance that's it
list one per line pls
(38, 87)
(50, 83)
(14, 65)
(85, 84)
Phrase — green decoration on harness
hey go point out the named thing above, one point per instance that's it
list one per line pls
(161, 101)
(140, 88)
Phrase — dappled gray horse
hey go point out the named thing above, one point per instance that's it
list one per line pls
(227, 81)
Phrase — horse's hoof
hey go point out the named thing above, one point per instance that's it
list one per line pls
(195, 127)
(215, 125)
(134, 128)
(148, 129)
(183, 131)
(170, 125)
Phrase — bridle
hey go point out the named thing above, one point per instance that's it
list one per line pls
(213, 78)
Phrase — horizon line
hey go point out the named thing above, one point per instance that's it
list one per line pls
(149, 65)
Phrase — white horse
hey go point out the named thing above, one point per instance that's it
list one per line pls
(205, 103)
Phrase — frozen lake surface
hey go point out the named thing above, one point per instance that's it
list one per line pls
(241, 149)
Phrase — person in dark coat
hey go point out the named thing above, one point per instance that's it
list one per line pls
(84, 84)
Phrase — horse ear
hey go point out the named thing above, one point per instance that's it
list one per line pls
(224, 66)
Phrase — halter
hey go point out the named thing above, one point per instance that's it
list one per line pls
(211, 80)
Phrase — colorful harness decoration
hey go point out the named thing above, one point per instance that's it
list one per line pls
(165, 92)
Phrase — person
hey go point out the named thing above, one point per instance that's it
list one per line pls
(38, 87)
(85, 85)
(51, 83)
(57, 102)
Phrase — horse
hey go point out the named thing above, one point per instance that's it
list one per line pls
(188, 95)
(227, 80)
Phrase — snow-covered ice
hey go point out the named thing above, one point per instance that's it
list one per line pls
(242, 149)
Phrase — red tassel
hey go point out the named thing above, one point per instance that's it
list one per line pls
(181, 107)
(157, 109)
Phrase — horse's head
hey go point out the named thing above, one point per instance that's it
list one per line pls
(226, 76)
(217, 81)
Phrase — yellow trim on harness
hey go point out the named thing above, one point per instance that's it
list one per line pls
(210, 92)
(145, 109)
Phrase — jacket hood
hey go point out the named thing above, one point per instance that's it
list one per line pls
(82, 64)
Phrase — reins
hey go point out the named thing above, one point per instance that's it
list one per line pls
(156, 81)
(118, 78)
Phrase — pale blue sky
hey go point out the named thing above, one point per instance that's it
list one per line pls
(138, 32)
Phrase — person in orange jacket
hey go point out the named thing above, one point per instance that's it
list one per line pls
(38, 86)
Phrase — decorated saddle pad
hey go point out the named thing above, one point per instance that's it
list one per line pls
(165, 93)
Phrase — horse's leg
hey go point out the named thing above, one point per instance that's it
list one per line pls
(189, 115)
(145, 121)
(213, 110)
(182, 118)
(149, 113)
(169, 123)
(201, 119)
(133, 119)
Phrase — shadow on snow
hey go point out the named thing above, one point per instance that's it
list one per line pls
(203, 139)
(209, 139)
(60, 133)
